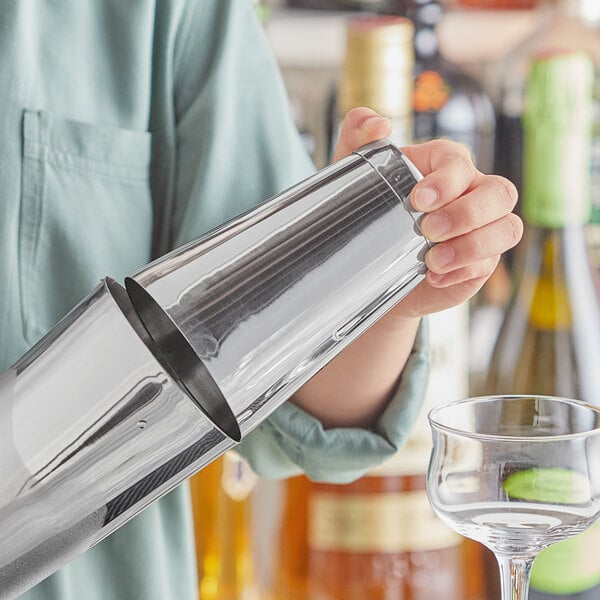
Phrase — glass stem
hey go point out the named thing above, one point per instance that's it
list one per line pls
(514, 576)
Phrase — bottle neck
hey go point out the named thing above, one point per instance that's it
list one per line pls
(557, 141)
(551, 204)
(425, 15)
(426, 43)
(378, 70)
(550, 263)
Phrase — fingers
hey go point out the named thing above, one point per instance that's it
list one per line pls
(492, 199)
(448, 173)
(467, 250)
(479, 270)
(360, 126)
(468, 214)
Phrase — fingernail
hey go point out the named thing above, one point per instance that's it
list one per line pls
(372, 122)
(425, 198)
(440, 256)
(434, 226)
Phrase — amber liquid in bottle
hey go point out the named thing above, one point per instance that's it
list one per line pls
(378, 539)
(223, 528)
(374, 539)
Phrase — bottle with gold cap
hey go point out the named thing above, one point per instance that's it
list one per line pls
(377, 538)
(378, 73)
(447, 102)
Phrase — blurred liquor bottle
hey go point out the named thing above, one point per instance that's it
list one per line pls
(221, 502)
(549, 342)
(377, 537)
(563, 25)
(447, 102)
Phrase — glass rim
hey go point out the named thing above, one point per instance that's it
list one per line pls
(438, 425)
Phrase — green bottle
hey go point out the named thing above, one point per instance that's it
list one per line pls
(549, 342)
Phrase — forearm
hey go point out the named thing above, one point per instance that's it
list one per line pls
(355, 387)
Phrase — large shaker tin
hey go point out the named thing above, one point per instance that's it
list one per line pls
(132, 393)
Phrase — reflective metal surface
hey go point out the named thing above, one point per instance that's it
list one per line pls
(268, 299)
(133, 392)
(92, 429)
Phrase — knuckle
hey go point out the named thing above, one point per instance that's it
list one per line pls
(459, 169)
(504, 191)
(439, 146)
(476, 246)
(471, 215)
(450, 151)
(472, 272)
(513, 228)
(482, 268)
(462, 155)
(451, 147)
(490, 265)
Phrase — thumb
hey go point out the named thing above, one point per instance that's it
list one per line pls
(360, 126)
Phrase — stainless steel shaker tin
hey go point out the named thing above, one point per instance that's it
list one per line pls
(132, 393)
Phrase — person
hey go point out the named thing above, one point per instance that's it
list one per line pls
(129, 128)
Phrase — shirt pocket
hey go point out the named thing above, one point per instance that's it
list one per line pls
(86, 212)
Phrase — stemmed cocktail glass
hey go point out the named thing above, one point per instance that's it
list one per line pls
(516, 473)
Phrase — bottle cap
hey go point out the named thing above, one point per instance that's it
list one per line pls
(557, 128)
(378, 70)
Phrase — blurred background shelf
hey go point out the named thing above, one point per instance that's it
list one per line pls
(310, 45)
(470, 37)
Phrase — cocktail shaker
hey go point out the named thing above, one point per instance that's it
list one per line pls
(137, 388)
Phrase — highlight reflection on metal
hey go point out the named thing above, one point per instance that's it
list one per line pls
(271, 297)
(131, 393)
(92, 429)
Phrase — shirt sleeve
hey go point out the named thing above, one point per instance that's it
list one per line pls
(237, 145)
(291, 441)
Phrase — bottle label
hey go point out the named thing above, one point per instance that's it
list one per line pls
(448, 366)
(431, 92)
(373, 523)
(570, 566)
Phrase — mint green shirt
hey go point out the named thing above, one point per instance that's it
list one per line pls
(116, 116)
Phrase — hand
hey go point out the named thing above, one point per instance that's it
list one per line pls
(355, 387)
(468, 215)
